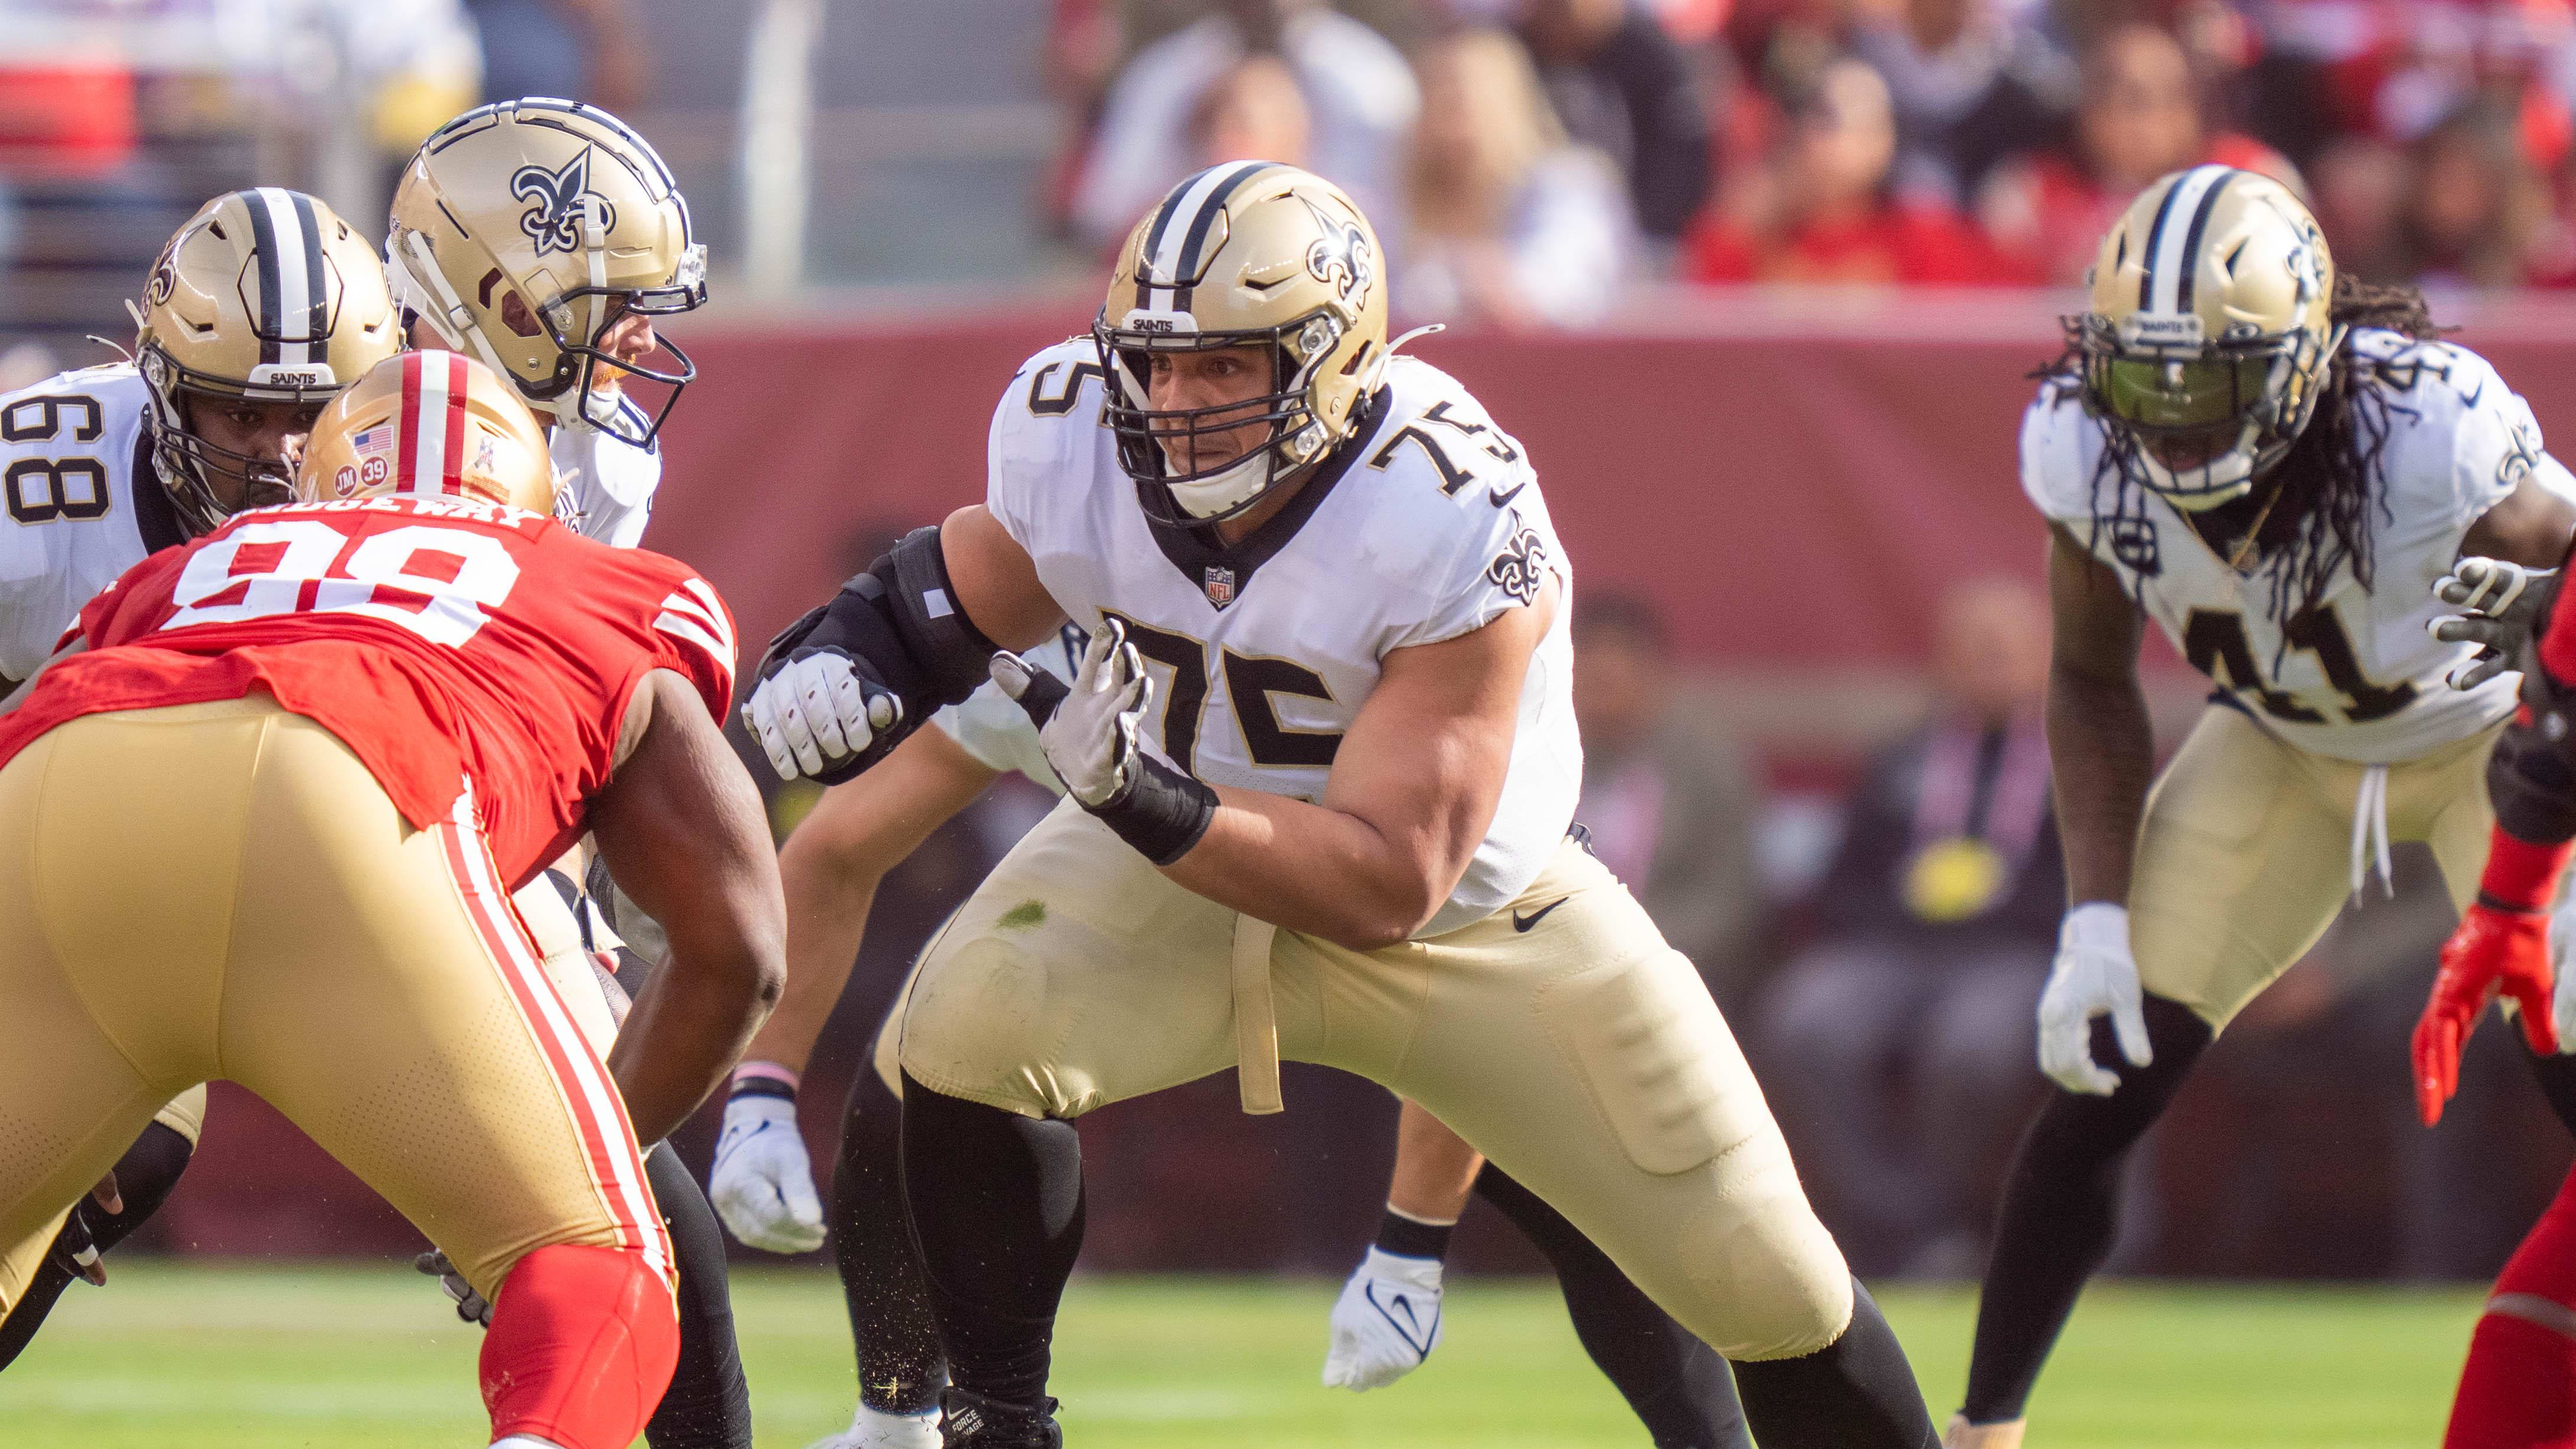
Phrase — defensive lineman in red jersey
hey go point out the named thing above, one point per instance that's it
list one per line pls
(269, 813)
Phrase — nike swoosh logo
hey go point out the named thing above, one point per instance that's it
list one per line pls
(1499, 499)
(1523, 923)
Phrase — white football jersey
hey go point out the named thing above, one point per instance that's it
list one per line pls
(84, 504)
(991, 726)
(2356, 678)
(1428, 525)
(607, 483)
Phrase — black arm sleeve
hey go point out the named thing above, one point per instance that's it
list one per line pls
(2532, 780)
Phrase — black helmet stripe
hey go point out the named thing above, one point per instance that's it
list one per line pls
(1200, 225)
(263, 246)
(2168, 263)
(2191, 242)
(294, 291)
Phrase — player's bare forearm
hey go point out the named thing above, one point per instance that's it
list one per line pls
(1435, 1169)
(1414, 786)
(996, 581)
(831, 867)
(2530, 527)
(2101, 745)
(683, 834)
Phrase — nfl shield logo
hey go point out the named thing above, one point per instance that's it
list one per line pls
(1220, 585)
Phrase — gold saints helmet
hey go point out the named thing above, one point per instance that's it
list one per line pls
(1247, 254)
(428, 425)
(263, 296)
(524, 230)
(2208, 341)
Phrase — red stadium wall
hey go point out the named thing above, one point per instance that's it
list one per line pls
(1796, 497)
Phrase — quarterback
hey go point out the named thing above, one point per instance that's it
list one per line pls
(282, 779)
(1320, 771)
(1388, 1318)
(2277, 463)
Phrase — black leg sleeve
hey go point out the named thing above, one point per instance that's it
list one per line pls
(708, 1406)
(144, 1177)
(996, 1202)
(1678, 1386)
(1856, 1393)
(900, 1365)
(2060, 1212)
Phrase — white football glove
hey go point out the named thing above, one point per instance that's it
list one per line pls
(817, 712)
(763, 1184)
(1386, 1322)
(1091, 735)
(2501, 603)
(2094, 975)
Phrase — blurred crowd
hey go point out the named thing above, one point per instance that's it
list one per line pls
(1526, 159)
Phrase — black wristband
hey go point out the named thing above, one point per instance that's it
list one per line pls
(1160, 811)
(761, 1087)
(1406, 1237)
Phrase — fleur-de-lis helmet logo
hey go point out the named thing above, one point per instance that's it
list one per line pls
(1340, 257)
(553, 221)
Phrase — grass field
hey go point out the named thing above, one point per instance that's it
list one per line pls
(253, 1358)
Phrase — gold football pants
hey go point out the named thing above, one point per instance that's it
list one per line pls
(1561, 1036)
(2248, 845)
(223, 891)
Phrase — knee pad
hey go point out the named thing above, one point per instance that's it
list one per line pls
(581, 1348)
(975, 1028)
(1772, 1282)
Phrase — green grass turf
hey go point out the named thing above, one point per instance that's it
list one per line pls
(367, 1358)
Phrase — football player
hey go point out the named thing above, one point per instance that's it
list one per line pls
(2518, 1389)
(256, 311)
(1321, 773)
(2276, 462)
(283, 778)
(1388, 1317)
(544, 238)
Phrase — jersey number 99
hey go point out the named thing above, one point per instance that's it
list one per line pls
(437, 582)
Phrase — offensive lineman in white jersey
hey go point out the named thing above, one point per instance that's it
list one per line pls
(2276, 463)
(255, 312)
(1343, 837)
(1388, 1317)
(544, 238)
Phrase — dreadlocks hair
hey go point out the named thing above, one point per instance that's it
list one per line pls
(2329, 480)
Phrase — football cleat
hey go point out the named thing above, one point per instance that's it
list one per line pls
(971, 1420)
(877, 1429)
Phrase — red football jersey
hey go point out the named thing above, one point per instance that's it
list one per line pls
(452, 644)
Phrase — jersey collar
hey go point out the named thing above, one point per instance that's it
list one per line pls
(1202, 559)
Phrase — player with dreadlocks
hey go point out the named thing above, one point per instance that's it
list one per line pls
(2276, 463)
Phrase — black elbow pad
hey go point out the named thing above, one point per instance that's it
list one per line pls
(898, 622)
